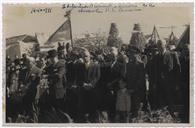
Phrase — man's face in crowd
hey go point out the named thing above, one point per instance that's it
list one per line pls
(13, 64)
(114, 53)
(87, 58)
(69, 49)
(38, 55)
(62, 51)
(126, 60)
(54, 59)
(161, 47)
(8, 57)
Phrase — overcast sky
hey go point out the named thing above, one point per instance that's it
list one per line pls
(17, 20)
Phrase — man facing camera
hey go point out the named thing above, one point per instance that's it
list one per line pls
(88, 74)
(56, 78)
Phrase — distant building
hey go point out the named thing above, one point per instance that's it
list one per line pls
(18, 45)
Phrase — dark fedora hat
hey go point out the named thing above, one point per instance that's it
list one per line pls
(52, 53)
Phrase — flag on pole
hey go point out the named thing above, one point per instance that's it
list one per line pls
(184, 39)
(41, 38)
(63, 33)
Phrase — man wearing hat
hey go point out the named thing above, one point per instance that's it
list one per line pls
(165, 65)
(33, 80)
(175, 74)
(24, 70)
(8, 70)
(56, 79)
(135, 75)
(152, 70)
(115, 69)
(185, 79)
(87, 76)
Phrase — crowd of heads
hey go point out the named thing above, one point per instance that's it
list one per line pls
(125, 53)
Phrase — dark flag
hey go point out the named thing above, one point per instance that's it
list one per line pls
(184, 39)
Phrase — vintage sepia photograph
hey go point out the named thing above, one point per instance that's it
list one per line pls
(97, 63)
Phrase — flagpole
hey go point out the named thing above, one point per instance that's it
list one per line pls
(68, 15)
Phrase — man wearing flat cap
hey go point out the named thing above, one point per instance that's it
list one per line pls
(56, 79)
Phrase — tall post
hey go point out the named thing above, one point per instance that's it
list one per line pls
(71, 32)
(154, 34)
(68, 15)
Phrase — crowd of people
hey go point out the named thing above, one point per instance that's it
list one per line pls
(115, 85)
